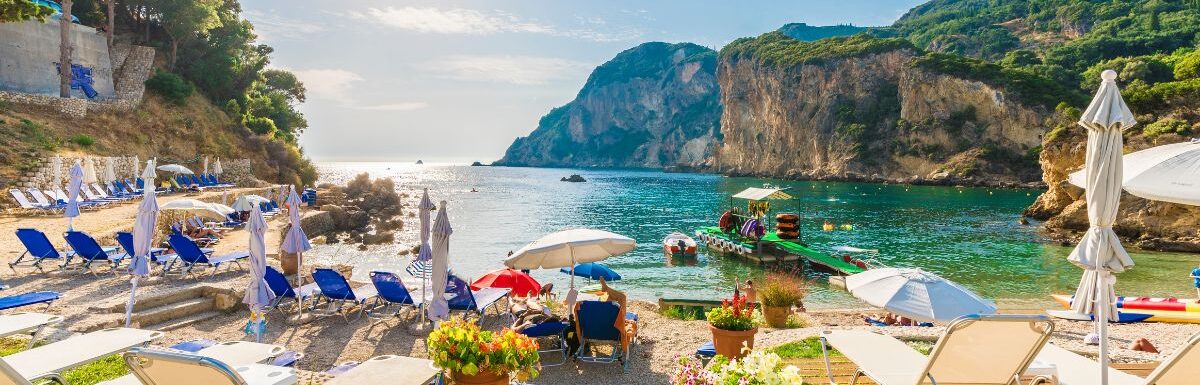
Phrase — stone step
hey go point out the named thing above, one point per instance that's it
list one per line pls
(173, 311)
(185, 321)
(157, 299)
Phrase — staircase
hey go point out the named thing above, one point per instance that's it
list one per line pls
(169, 311)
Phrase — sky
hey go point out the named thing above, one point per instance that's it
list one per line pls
(457, 81)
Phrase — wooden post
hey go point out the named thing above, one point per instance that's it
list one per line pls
(64, 50)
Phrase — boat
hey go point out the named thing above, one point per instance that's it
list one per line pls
(679, 245)
(1122, 317)
(1173, 310)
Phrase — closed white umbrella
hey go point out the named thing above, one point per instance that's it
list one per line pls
(143, 239)
(1168, 173)
(110, 170)
(1100, 252)
(203, 209)
(217, 167)
(916, 294)
(422, 266)
(89, 171)
(175, 168)
(205, 165)
(73, 187)
(258, 295)
(438, 307)
(56, 164)
(136, 163)
(295, 241)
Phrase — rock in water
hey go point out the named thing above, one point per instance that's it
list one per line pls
(476, 164)
(573, 178)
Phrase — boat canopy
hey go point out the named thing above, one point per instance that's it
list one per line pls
(759, 194)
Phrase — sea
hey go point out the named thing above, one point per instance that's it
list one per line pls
(970, 235)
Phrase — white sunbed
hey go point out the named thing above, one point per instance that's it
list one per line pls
(1181, 368)
(24, 202)
(19, 323)
(158, 367)
(49, 360)
(392, 370)
(235, 353)
(975, 349)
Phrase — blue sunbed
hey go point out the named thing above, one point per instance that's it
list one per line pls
(191, 255)
(552, 331)
(596, 323)
(38, 248)
(479, 301)
(336, 290)
(284, 292)
(90, 251)
(19, 300)
(392, 292)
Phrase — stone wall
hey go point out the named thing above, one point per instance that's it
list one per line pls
(233, 170)
(29, 53)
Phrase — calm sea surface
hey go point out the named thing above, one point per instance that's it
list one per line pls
(969, 235)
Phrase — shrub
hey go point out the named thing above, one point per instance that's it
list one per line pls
(782, 51)
(84, 140)
(1188, 67)
(171, 87)
(260, 125)
(684, 313)
(1167, 126)
(780, 289)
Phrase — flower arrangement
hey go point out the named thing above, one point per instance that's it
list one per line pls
(780, 289)
(461, 347)
(733, 315)
(756, 368)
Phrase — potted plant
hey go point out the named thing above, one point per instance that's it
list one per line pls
(732, 326)
(777, 294)
(757, 368)
(476, 357)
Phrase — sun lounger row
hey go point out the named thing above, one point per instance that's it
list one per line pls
(202, 181)
(187, 256)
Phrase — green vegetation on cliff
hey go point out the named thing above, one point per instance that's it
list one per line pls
(805, 32)
(782, 51)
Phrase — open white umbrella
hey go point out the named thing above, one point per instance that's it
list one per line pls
(175, 168)
(143, 239)
(258, 295)
(73, 187)
(193, 206)
(296, 242)
(568, 248)
(916, 294)
(247, 202)
(1100, 252)
(438, 307)
(217, 167)
(223, 209)
(110, 170)
(1168, 173)
(89, 171)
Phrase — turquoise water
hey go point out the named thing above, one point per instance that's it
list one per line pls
(969, 235)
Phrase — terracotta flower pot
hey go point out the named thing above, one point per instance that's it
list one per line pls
(483, 378)
(777, 316)
(728, 343)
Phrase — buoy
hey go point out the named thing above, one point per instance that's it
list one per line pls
(827, 227)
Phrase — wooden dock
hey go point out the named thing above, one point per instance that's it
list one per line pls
(772, 249)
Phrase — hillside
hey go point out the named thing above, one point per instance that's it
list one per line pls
(805, 32)
(653, 105)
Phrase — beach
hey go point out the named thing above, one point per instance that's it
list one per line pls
(88, 303)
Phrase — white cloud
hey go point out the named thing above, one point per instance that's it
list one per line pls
(401, 106)
(523, 70)
(271, 26)
(331, 84)
(475, 22)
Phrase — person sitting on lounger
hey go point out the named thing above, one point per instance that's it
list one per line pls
(623, 323)
(198, 232)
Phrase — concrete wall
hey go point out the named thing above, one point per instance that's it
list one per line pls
(29, 53)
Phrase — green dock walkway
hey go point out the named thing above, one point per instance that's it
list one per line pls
(790, 247)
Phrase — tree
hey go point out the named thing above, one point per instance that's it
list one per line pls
(285, 82)
(21, 10)
(64, 51)
(183, 20)
(111, 6)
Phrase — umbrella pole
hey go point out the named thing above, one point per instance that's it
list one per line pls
(129, 306)
(299, 284)
(1102, 324)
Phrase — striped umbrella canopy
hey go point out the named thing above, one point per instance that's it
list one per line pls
(438, 308)
(258, 295)
(143, 238)
(295, 242)
(89, 171)
(73, 187)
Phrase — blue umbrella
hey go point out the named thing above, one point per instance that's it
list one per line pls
(593, 270)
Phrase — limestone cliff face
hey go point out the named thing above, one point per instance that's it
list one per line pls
(1142, 223)
(873, 117)
(651, 106)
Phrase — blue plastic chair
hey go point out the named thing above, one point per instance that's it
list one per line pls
(191, 255)
(552, 331)
(90, 251)
(336, 290)
(391, 292)
(595, 323)
(26, 299)
(284, 292)
(38, 248)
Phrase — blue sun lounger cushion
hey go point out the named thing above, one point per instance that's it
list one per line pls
(191, 255)
(284, 292)
(90, 251)
(19, 300)
(335, 289)
(596, 322)
(392, 292)
(38, 248)
(157, 254)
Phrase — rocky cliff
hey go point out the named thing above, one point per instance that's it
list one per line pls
(651, 106)
(859, 108)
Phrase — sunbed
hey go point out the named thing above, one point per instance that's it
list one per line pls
(103, 194)
(551, 331)
(191, 255)
(1181, 368)
(286, 358)
(48, 360)
(337, 291)
(31, 323)
(284, 292)
(392, 293)
(596, 324)
(38, 248)
(157, 254)
(391, 370)
(26, 299)
(158, 367)
(24, 202)
(82, 199)
(231, 353)
(479, 301)
(975, 349)
(90, 251)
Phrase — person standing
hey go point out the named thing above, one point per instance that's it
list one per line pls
(1196, 282)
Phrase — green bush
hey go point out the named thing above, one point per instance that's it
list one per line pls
(1188, 67)
(170, 86)
(684, 313)
(84, 140)
(260, 125)
(782, 51)
(1023, 83)
(1167, 126)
